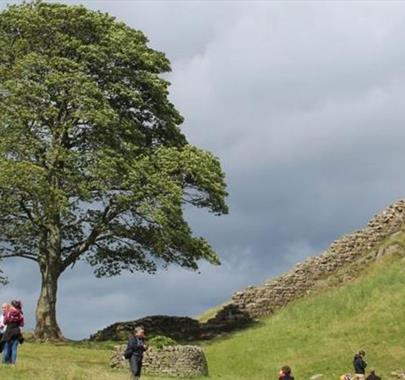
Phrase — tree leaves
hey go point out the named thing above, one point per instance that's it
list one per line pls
(92, 158)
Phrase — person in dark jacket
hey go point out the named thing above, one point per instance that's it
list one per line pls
(134, 351)
(373, 376)
(359, 365)
(13, 320)
(285, 373)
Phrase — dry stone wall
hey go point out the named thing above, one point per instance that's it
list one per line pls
(173, 361)
(177, 328)
(259, 301)
(181, 329)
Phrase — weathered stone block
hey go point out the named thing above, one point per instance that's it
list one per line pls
(172, 361)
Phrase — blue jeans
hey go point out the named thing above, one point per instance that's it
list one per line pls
(10, 351)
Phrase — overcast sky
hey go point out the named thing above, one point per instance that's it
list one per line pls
(304, 103)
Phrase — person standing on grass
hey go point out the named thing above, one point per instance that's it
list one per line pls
(14, 320)
(285, 373)
(4, 309)
(134, 351)
(360, 364)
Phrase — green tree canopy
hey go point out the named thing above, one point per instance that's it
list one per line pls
(93, 164)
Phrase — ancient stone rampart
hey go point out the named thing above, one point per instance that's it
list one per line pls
(356, 248)
(181, 329)
(259, 301)
(177, 328)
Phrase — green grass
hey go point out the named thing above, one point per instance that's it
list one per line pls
(71, 361)
(321, 333)
(318, 334)
(210, 313)
(62, 362)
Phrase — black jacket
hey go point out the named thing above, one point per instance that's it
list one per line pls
(135, 347)
(373, 376)
(359, 364)
(286, 377)
(12, 332)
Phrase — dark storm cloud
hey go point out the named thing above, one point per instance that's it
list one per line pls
(303, 102)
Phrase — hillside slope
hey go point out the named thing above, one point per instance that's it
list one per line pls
(353, 298)
(321, 332)
(316, 334)
(355, 249)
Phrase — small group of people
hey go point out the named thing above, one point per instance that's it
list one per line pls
(11, 322)
(136, 347)
(134, 352)
(359, 365)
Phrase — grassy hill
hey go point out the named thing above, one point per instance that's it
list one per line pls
(320, 334)
(317, 334)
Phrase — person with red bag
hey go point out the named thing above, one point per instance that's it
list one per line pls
(13, 320)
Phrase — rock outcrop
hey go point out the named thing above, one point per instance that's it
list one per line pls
(181, 329)
(177, 328)
(398, 374)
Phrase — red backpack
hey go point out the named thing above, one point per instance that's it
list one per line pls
(14, 316)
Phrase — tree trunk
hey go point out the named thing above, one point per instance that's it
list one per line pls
(47, 327)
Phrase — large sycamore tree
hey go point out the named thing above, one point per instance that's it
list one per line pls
(93, 165)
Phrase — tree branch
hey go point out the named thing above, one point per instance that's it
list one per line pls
(82, 246)
(29, 214)
(31, 217)
(20, 254)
